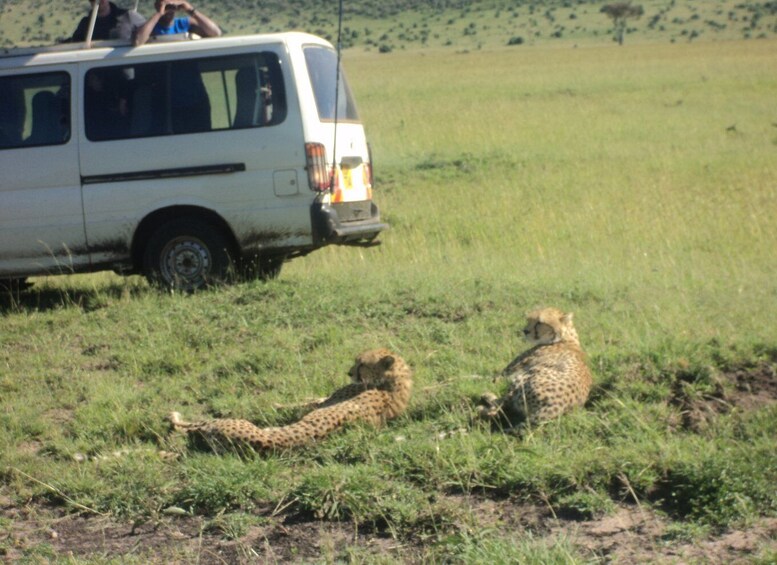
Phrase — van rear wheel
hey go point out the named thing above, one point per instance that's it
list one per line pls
(187, 255)
(14, 285)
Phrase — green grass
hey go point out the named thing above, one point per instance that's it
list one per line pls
(409, 26)
(607, 181)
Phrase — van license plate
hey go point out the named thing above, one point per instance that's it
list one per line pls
(354, 211)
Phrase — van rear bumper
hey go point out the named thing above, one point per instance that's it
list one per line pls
(349, 223)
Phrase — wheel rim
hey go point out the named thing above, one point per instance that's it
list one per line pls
(186, 262)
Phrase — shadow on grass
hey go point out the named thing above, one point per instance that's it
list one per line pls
(45, 298)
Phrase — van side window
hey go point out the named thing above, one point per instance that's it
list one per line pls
(322, 69)
(184, 96)
(34, 110)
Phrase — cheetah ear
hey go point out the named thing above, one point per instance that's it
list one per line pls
(567, 318)
(387, 362)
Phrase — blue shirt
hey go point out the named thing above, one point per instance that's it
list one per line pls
(179, 25)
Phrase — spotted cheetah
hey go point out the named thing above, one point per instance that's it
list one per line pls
(379, 391)
(550, 378)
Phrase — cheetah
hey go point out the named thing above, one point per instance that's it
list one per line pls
(549, 379)
(379, 391)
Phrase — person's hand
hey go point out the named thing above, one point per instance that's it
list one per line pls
(185, 6)
(172, 5)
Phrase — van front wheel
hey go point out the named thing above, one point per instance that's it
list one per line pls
(187, 255)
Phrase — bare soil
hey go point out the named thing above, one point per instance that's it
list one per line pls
(630, 534)
(741, 388)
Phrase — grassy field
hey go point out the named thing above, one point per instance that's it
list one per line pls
(634, 186)
(398, 25)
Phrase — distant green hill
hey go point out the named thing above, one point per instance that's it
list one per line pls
(386, 26)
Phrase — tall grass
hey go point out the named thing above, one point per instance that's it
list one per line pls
(642, 176)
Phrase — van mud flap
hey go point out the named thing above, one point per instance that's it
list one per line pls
(347, 223)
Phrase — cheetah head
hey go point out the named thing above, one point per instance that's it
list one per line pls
(378, 368)
(549, 325)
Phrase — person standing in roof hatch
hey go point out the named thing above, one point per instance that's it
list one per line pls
(112, 22)
(164, 22)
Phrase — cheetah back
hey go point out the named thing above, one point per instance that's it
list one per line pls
(552, 380)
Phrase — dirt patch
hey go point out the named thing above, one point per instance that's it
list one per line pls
(638, 535)
(186, 539)
(47, 532)
(630, 534)
(754, 387)
(743, 388)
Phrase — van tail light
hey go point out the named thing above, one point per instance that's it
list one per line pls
(318, 169)
(367, 167)
(368, 180)
(337, 191)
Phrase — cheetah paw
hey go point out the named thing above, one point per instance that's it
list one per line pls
(489, 399)
(488, 412)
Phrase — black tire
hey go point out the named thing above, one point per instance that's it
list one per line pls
(260, 267)
(187, 254)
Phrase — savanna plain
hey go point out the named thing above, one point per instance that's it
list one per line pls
(633, 186)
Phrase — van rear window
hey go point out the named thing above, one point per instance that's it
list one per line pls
(34, 110)
(322, 69)
(184, 96)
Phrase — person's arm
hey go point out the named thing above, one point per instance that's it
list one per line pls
(203, 24)
(80, 32)
(144, 32)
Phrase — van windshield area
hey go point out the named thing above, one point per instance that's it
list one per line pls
(322, 69)
(184, 96)
(34, 110)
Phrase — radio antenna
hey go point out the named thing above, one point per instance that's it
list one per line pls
(337, 94)
(90, 29)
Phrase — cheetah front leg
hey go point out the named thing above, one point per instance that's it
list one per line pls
(499, 412)
(491, 406)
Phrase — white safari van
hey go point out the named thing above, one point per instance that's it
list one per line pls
(184, 160)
